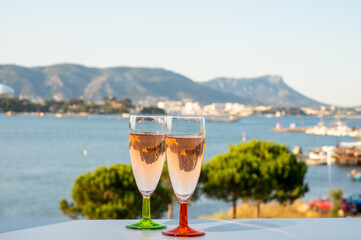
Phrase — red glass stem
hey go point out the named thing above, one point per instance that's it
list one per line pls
(183, 216)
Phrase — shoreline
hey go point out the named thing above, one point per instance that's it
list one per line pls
(86, 114)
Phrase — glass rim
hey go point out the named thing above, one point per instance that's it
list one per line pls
(186, 116)
(143, 115)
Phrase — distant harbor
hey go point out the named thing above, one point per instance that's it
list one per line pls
(343, 154)
(337, 128)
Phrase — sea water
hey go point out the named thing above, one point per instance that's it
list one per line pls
(41, 157)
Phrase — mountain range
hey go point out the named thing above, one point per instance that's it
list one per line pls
(270, 90)
(64, 81)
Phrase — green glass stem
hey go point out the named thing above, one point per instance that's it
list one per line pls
(146, 208)
(146, 223)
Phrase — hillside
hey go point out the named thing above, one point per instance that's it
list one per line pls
(270, 90)
(66, 81)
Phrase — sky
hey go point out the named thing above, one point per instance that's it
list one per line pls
(315, 45)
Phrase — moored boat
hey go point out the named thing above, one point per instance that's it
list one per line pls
(348, 156)
(219, 119)
(355, 175)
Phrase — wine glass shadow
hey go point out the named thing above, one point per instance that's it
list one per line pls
(231, 226)
(149, 235)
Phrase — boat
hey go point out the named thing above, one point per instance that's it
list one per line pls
(125, 115)
(39, 114)
(85, 151)
(348, 156)
(221, 119)
(355, 175)
(10, 113)
(350, 144)
(319, 158)
(337, 128)
(319, 129)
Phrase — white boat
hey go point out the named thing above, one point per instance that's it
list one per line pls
(316, 158)
(337, 128)
(354, 175)
(221, 119)
(319, 129)
(350, 144)
(320, 156)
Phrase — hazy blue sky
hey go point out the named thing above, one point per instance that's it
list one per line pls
(314, 45)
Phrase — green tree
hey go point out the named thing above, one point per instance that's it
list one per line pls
(20, 105)
(74, 105)
(111, 193)
(152, 110)
(336, 196)
(127, 103)
(166, 184)
(108, 99)
(258, 171)
(53, 106)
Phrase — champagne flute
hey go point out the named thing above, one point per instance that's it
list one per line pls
(147, 154)
(184, 150)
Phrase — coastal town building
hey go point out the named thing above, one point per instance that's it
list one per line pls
(171, 107)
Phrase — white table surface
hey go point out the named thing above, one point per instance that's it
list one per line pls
(224, 229)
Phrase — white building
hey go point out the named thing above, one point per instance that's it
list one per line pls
(262, 108)
(310, 110)
(192, 108)
(235, 108)
(214, 109)
(227, 109)
(171, 107)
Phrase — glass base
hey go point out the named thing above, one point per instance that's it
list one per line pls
(183, 231)
(146, 224)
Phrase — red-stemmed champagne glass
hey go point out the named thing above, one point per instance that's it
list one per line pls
(184, 150)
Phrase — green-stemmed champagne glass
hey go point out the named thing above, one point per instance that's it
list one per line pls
(147, 154)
